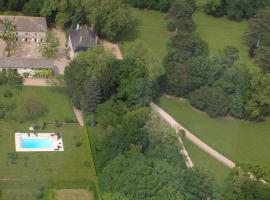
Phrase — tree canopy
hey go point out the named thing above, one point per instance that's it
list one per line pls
(235, 9)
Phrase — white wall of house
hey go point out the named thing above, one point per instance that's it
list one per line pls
(21, 71)
(31, 36)
(71, 50)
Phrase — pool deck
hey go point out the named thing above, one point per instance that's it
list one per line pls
(56, 138)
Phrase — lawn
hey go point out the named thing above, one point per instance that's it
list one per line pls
(206, 162)
(22, 174)
(236, 139)
(149, 27)
(221, 32)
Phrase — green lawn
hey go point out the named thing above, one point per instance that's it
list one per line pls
(221, 32)
(149, 27)
(206, 162)
(236, 139)
(23, 173)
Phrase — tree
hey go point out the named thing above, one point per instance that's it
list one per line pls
(9, 34)
(49, 46)
(263, 58)
(242, 186)
(257, 33)
(92, 96)
(32, 108)
(33, 7)
(95, 63)
(110, 17)
(181, 13)
(215, 8)
(210, 99)
(129, 132)
(113, 196)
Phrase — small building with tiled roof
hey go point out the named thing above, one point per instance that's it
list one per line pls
(30, 29)
(27, 66)
(81, 39)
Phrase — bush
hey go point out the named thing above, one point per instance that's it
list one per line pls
(78, 144)
(26, 74)
(57, 124)
(211, 100)
(70, 121)
(8, 93)
(32, 108)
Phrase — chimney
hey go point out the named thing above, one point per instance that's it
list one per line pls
(93, 27)
(78, 27)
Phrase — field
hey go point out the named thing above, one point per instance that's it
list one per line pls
(149, 27)
(221, 32)
(236, 139)
(23, 175)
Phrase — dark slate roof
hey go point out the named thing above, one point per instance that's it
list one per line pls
(27, 24)
(83, 38)
(29, 63)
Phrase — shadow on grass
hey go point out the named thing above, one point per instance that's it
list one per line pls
(131, 33)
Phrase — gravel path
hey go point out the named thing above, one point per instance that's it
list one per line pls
(112, 47)
(79, 115)
(36, 82)
(192, 137)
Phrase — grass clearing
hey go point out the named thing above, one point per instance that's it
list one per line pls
(149, 27)
(221, 32)
(206, 162)
(236, 139)
(24, 173)
(73, 194)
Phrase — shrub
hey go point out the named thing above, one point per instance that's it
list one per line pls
(57, 124)
(26, 74)
(32, 108)
(211, 100)
(78, 144)
(70, 121)
(8, 93)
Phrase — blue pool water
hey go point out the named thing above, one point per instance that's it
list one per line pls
(36, 143)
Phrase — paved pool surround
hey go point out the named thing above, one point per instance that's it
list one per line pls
(38, 142)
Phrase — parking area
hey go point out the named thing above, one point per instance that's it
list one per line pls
(27, 50)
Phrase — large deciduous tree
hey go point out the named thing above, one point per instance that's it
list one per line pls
(9, 34)
(49, 46)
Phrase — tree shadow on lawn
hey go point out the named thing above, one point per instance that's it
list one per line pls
(131, 33)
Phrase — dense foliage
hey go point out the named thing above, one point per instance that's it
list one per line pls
(248, 182)
(235, 9)
(219, 85)
(10, 77)
(96, 76)
(257, 38)
(152, 168)
(49, 46)
(110, 17)
(9, 34)
(161, 5)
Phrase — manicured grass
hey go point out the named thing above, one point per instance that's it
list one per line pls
(25, 172)
(149, 27)
(221, 32)
(58, 104)
(236, 139)
(206, 162)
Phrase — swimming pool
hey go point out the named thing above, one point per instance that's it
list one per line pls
(36, 143)
(30, 142)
